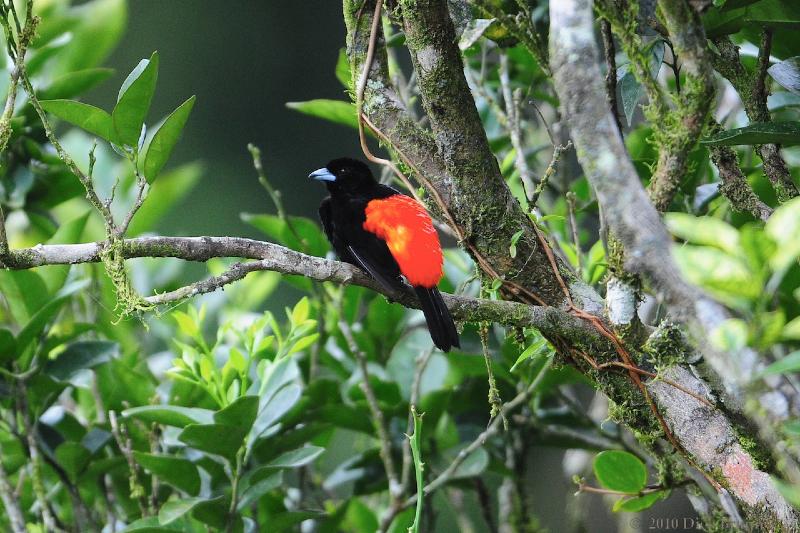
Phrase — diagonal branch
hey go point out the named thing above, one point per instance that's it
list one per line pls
(453, 160)
(635, 221)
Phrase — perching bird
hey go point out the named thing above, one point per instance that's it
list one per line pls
(385, 233)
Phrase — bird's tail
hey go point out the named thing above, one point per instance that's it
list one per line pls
(440, 322)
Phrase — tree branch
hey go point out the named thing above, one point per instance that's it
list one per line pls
(752, 91)
(734, 185)
(681, 133)
(453, 160)
(269, 256)
(633, 219)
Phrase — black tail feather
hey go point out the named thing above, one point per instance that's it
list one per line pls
(440, 322)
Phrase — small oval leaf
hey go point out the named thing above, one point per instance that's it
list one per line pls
(620, 471)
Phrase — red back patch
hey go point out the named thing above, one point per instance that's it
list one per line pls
(409, 233)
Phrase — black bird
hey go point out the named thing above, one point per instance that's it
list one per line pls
(387, 234)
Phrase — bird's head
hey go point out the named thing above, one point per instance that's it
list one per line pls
(344, 175)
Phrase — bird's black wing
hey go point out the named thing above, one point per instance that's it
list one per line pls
(360, 248)
(389, 280)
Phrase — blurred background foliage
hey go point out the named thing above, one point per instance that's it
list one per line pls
(243, 410)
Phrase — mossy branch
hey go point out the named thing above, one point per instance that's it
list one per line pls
(632, 218)
(752, 90)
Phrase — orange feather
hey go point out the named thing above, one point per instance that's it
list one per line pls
(409, 233)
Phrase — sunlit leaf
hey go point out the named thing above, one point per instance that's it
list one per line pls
(134, 100)
(785, 365)
(164, 140)
(703, 230)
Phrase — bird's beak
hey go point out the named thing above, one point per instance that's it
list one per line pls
(322, 174)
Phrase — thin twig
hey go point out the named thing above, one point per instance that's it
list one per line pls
(10, 501)
(11, 98)
(480, 440)
(549, 172)
(29, 430)
(126, 448)
(514, 129)
(91, 194)
(573, 224)
(760, 91)
(377, 414)
(421, 363)
(141, 187)
(611, 70)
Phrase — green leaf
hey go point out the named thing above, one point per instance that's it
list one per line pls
(736, 15)
(730, 336)
(178, 472)
(725, 276)
(150, 524)
(8, 345)
(74, 84)
(218, 439)
(100, 25)
(536, 349)
(791, 331)
(620, 471)
(784, 227)
(164, 140)
(171, 187)
(255, 491)
(170, 415)
(783, 99)
(54, 276)
(630, 88)
(85, 116)
(277, 406)
(785, 365)
(784, 133)
(512, 249)
(313, 241)
(703, 230)
(134, 100)
(79, 356)
(787, 73)
(241, 413)
(296, 458)
(175, 509)
(73, 458)
(336, 111)
(300, 311)
(46, 312)
(639, 503)
(24, 292)
(789, 491)
(792, 427)
(214, 513)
